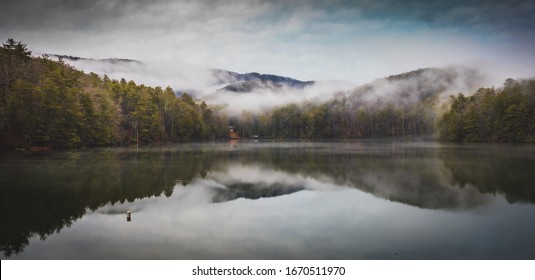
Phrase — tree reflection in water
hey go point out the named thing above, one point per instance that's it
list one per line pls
(42, 194)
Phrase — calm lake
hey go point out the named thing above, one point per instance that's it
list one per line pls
(271, 200)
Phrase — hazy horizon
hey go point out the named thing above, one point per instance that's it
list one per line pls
(355, 41)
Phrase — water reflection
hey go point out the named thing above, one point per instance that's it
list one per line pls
(43, 195)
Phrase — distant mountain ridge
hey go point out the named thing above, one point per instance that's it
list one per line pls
(418, 85)
(405, 87)
(253, 81)
(222, 80)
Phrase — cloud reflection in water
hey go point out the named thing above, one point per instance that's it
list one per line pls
(323, 220)
(276, 201)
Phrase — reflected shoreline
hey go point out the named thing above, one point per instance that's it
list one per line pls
(42, 195)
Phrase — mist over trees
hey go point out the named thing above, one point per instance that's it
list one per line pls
(340, 118)
(505, 115)
(45, 103)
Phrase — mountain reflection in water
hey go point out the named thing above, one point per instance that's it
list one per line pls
(318, 191)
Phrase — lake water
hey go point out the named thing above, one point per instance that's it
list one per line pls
(256, 200)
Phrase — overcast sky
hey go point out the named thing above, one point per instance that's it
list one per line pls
(356, 41)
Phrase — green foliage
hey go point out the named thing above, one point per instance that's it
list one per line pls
(50, 104)
(341, 118)
(16, 48)
(489, 115)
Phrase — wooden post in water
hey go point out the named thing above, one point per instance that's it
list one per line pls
(128, 216)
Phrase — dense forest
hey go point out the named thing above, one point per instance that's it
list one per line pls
(340, 119)
(49, 104)
(45, 103)
(490, 115)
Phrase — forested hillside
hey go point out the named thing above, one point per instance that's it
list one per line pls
(49, 104)
(491, 115)
(340, 119)
(45, 103)
(505, 115)
(401, 106)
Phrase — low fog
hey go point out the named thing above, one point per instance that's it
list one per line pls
(266, 98)
(357, 41)
(210, 85)
(182, 78)
(204, 84)
(414, 86)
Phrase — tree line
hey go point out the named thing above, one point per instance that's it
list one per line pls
(491, 115)
(45, 103)
(505, 115)
(340, 118)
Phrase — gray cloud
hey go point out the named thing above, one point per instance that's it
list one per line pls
(308, 40)
(61, 14)
(511, 16)
(514, 16)
(85, 15)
